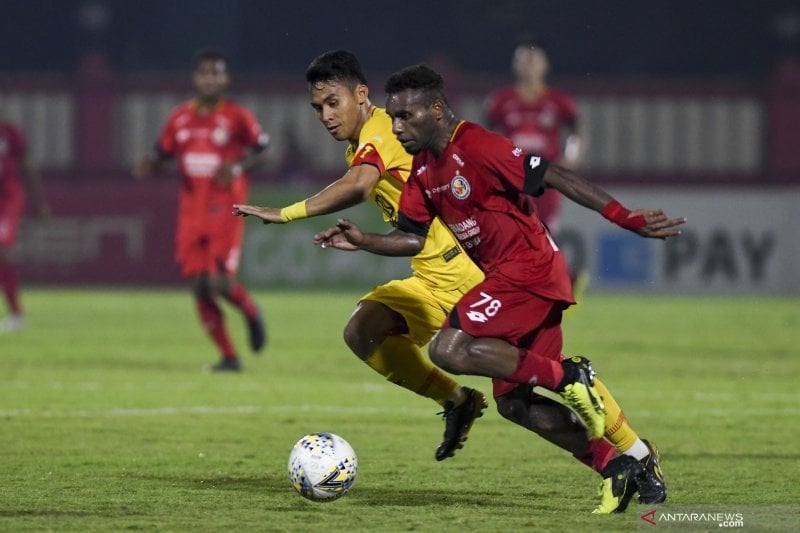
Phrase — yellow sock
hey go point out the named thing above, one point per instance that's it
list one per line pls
(618, 431)
(401, 361)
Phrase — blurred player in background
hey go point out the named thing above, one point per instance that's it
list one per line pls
(15, 169)
(540, 120)
(509, 326)
(394, 320)
(215, 142)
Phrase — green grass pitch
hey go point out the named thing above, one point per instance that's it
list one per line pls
(107, 422)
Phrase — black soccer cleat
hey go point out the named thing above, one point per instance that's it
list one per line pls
(257, 330)
(458, 421)
(619, 484)
(652, 486)
(227, 364)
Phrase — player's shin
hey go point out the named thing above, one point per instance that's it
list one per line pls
(618, 430)
(400, 361)
(213, 322)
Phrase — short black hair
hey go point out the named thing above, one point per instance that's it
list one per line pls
(419, 77)
(526, 40)
(336, 65)
(209, 54)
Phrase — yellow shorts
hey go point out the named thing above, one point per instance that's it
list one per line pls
(423, 307)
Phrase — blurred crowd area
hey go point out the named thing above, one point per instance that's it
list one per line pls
(667, 92)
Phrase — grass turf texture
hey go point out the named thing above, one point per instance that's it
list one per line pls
(107, 423)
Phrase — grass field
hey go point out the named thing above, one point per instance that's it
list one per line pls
(107, 422)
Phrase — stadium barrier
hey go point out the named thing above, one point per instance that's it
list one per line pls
(735, 242)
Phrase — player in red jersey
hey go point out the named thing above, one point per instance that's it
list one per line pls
(15, 169)
(215, 142)
(508, 327)
(536, 117)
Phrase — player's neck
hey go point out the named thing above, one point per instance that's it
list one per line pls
(206, 105)
(445, 134)
(364, 112)
(530, 89)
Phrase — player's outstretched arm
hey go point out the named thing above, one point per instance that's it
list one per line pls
(346, 235)
(349, 190)
(651, 223)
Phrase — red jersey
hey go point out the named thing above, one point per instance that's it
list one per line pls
(12, 153)
(202, 142)
(479, 187)
(535, 126)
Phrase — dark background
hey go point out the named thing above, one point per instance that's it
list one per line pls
(712, 38)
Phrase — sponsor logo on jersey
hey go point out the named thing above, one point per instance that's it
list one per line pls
(516, 152)
(459, 186)
(458, 160)
(422, 169)
(219, 136)
(451, 254)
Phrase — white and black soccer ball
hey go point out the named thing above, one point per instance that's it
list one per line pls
(322, 467)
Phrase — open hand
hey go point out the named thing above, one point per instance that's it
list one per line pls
(657, 225)
(344, 235)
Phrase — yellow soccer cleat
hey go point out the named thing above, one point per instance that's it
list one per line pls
(578, 392)
(619, 484)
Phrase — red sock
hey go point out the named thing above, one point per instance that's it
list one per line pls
(9, 279)
(239, 297)
(597, 455)
(214, 323)
(536, 369)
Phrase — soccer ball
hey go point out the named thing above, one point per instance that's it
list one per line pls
(322, 467)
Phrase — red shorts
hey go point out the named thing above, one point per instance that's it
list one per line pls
(499, 309)
(11, 208)
(209, 239)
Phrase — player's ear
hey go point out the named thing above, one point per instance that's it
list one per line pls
(437, 109)
(362, 93)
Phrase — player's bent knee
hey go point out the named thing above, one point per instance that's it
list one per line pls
(444, 358)
(511, 409)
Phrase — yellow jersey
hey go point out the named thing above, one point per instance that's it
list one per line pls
(442, 263)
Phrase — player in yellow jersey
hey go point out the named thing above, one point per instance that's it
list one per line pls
(394, 320)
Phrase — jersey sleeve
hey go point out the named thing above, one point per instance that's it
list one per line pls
(416, 214)
(251, 132)
(379, 147)
(512, 166)
(369, 154)
(166, 143)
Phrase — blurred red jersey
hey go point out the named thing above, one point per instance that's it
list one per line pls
(479, 187)
(202, 142)
(209, 237)
(533, 125)
(536, 127)
(12, 152)
(12, 192)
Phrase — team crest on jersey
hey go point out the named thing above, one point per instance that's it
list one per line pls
(459, 186)
(219, 136)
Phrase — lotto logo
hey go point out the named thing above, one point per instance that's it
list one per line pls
(484, 309)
